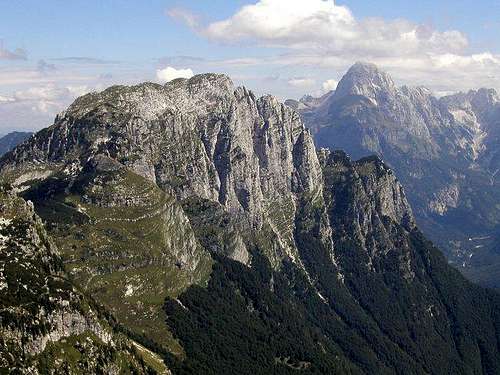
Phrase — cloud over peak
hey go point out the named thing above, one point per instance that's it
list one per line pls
(168, 74)
(329, 85)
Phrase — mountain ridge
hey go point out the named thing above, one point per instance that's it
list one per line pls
(313, 258)
(444, 151)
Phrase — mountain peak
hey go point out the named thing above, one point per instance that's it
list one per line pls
(204, 81)
(480, 101)
(362, 66)
(484, 97)
(364, 79)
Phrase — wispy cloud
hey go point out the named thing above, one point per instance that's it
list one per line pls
(36, 106)
(105, 76)
(185, 16)
(180, 60)
(17, 76)
(302, 82)
(49, 98)
(85, 60)
(6, 99)
(322, 34)
(44, 67)
(16, 54)
(33, 92)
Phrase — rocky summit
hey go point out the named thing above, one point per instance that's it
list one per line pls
(443, 150)
(216, 239)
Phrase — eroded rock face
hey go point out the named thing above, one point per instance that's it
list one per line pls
(193, 136)
(479, 111)
(409, 120)
(445, 199)
(200, 137)
(365, 202)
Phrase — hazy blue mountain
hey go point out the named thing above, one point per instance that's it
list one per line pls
(11, 140)
(444, 151)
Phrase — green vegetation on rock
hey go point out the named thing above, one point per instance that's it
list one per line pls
(124, 241)
(46, 324)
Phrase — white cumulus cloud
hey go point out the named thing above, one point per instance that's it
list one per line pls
(168, 74)
(329, 85)
(324, 39)
(324, 25)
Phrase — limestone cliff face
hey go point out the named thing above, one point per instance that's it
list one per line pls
(199, 137)
(367, 206)
(479, 112)
(139, 184)
(378, 193)
(390, 118)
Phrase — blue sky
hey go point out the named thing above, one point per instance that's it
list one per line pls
(134, 31)
(53, 51)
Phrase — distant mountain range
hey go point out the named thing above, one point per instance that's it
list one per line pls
(11, 140)
(196, 226)
(445, 151)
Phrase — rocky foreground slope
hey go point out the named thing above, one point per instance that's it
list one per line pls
(444, 151)
(206, 222)
(46, 324)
